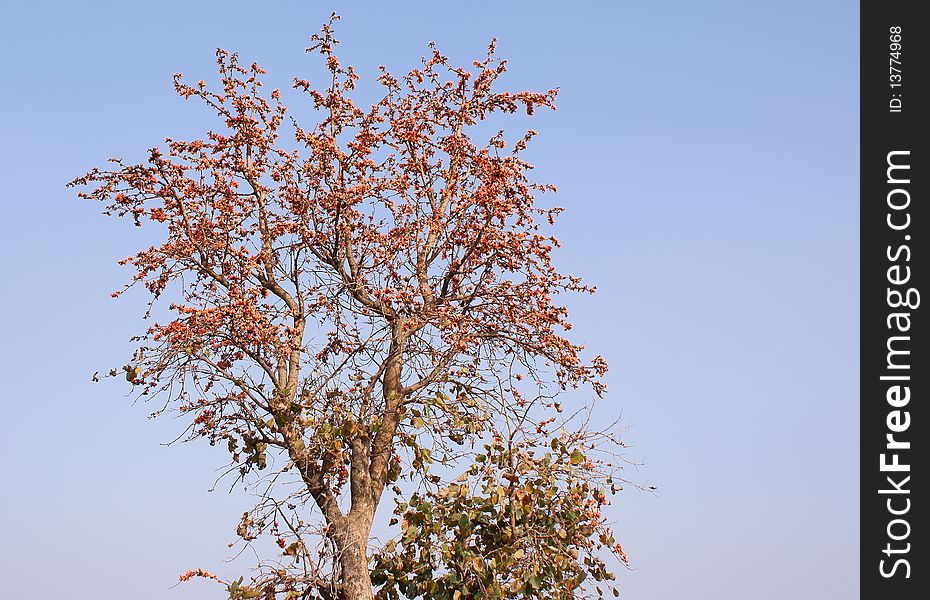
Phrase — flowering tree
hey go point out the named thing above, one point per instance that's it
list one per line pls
(372, 308)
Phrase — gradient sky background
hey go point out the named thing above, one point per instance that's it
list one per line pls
(707, 153)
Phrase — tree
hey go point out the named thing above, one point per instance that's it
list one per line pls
(370, 308)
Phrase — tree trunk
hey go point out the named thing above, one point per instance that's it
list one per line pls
(368, 478)
(353, 559)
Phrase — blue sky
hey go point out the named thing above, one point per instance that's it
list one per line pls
(707, 155)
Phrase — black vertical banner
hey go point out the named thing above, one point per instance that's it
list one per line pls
(894, 367)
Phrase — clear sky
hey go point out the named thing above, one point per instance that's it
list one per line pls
(707, 153)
